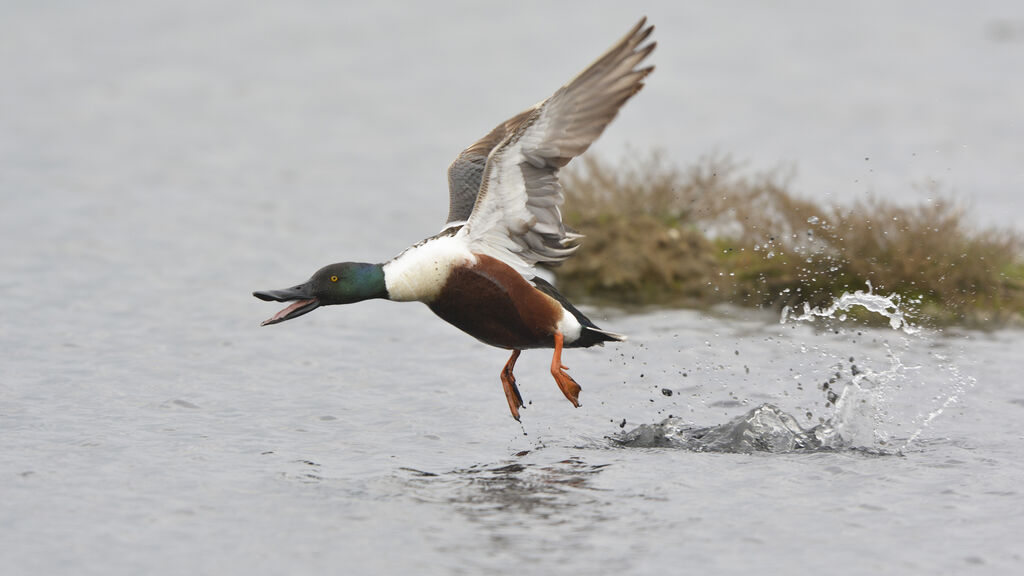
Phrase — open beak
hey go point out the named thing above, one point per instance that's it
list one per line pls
(301, 298)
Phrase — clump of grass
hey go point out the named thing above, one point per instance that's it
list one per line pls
(641, 246)
(660, 236)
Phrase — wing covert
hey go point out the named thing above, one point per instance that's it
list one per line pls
(467, 170)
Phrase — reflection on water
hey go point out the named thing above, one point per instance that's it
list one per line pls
(539, 490)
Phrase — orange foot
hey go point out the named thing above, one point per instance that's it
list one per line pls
(566, 384)
(508, 382)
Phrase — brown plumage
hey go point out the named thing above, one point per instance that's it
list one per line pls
(494, 304)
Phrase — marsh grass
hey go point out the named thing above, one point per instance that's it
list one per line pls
(660, 236)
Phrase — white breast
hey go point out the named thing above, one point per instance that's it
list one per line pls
(420, 272)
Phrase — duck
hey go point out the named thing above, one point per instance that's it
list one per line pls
(479, 273)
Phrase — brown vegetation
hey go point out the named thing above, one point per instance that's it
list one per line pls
(660, 236)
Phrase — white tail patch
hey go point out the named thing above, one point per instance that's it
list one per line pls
(569, 326)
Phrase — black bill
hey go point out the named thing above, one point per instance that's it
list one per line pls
(301, 298)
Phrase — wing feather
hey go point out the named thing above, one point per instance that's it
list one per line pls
(466, 171)
(515, 216)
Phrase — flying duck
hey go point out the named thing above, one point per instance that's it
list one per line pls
(479, 273)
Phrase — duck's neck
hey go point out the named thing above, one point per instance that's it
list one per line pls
(369, 278)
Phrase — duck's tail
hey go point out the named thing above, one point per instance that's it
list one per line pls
(590, 335)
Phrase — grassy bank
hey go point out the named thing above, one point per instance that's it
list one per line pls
(657, 235)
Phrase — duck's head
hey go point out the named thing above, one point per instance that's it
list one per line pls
(342, 283)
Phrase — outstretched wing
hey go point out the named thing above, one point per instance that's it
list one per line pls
(516, 215)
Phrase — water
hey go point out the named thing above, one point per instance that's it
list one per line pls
(160, 162)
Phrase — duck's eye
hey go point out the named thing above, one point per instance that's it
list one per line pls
(334, 278)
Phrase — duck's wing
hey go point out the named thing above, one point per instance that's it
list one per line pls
(516, 215)
(467, 171)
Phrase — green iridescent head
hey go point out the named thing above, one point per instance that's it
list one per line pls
(342, 283)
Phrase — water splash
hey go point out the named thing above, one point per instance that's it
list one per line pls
(860, 409)
(961, 384)
(888, 306)
(858, 419)
(766, 428)
(857, 424)
(861, 397)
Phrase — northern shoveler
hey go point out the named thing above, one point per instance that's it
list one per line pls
(503, 218)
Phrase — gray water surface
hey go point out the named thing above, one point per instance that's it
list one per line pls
(160, 161)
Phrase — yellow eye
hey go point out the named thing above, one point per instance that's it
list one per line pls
(334, 278)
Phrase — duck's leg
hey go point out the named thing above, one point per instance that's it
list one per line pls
(566, 384)
(508, 382)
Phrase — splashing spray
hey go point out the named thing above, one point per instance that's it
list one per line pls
(887, 306)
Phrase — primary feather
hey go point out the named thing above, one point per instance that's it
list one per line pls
(515, 192)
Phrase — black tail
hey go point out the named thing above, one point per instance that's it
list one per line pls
(591, 334)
